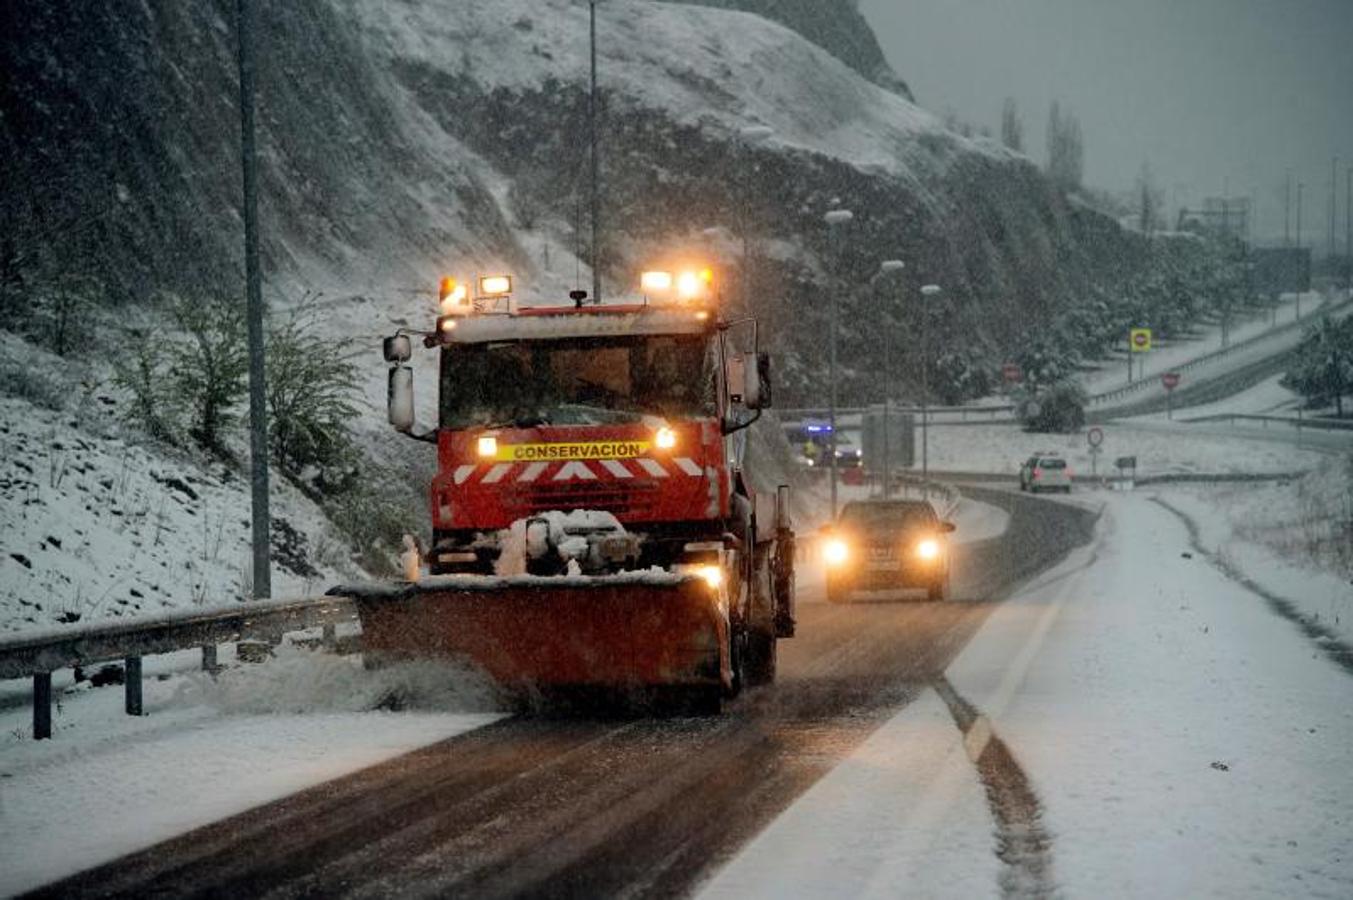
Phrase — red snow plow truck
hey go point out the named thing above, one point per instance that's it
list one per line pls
(593, 521)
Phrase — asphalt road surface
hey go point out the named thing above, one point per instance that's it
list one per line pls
(565, 807)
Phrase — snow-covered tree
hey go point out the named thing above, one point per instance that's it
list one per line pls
(1066, 149)
(1012, 127)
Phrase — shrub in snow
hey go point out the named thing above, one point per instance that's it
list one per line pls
(1323, 367)
(374, 515)
(1059, 408)
(209, 366)
(139, 369)
(312, 391)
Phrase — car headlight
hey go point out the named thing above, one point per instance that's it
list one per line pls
(928, 549)
(835, 551)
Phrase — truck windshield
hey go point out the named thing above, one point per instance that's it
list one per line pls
(575, 382)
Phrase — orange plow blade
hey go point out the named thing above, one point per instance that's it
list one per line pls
(636, 630)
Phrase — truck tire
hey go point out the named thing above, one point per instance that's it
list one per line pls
(939, 591)
(758, 667)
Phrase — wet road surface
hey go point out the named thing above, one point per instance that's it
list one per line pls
(565, 807)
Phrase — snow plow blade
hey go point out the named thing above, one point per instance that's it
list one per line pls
(618, 632)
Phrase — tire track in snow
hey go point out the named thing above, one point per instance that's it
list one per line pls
(1024, 846)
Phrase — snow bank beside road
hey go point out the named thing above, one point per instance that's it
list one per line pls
(110, 784)
(1183, 739)
(1289, 539)
(1001, 449)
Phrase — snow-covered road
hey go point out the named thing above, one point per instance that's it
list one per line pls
(1181, 738)
(1131, 722)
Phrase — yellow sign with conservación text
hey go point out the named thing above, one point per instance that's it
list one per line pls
(590, 450)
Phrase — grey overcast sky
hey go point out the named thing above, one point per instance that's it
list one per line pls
(1205, 90)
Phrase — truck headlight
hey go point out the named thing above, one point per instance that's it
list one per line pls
(713, 575)
(665, 439)
(835, 551)
(928, 549)
(488, 446)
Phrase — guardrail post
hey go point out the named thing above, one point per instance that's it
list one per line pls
(209, 658)
(330, 637)
(42, 705)
(133, 685)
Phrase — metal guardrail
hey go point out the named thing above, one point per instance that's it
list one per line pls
(980, 414)
(967, 415)
(40, 655)
(1150, 382)
(1299, 422)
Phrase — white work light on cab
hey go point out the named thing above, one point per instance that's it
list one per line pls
(686, 286)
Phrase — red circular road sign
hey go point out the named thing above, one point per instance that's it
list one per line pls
(1012, 372)
(1095, 436)
(1140, 339)
(1170, 380)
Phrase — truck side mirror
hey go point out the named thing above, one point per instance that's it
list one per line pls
(400, 398)
(735, 375)
(756, 380)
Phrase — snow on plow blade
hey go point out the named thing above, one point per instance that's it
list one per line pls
(634, 630)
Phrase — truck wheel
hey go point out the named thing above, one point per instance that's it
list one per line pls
(939, 591)
(758, 666)
(701, 701)
(837, 594)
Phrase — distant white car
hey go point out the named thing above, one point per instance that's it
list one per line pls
(1045, 472)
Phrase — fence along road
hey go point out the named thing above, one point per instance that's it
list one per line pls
(39, 655)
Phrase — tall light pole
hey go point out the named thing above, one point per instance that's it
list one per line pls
(927, 291)
(1301, 187)
(748, 137)
(1287, 211)
(592, 110)
(253, 281)
(894, 268)
(837, 220)
(1348, 229)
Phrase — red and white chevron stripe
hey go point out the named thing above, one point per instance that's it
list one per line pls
(578, 470)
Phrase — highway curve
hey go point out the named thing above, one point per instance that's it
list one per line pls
(565, 807)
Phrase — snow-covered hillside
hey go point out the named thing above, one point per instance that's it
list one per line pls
(96, 524)
(405, 140)
(717, 68)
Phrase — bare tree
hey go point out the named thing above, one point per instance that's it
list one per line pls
(1012, 127)
(1150, 201)
(1066, 149)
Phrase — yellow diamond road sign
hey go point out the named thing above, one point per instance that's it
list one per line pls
(1140, 340)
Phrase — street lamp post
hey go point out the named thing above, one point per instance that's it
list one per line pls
(592, 113)
(748, 137)
(886, 268)
(927, 291)
(836, 220)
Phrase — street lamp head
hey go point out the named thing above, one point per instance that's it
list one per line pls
(890, 266)
(838, 217)
(930, 290)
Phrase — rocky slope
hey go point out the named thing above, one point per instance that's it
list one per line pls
(404, 140)
(834, 25)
